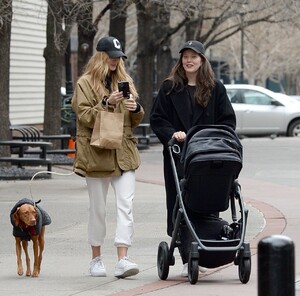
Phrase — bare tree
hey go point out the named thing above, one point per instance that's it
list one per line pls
(158, 22)
(147, 47)
(210, 21)
(213, 21)
(153, 34)
(269, 53)
(164, 60)
(87, 27)
(117, 20)
(61, 17)
(5, 30)
(86, 34)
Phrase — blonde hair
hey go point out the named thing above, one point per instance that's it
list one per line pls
(98, 69)
(205, 80)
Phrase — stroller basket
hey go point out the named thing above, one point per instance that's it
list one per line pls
(215, 258)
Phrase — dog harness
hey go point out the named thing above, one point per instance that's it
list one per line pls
(23, 231)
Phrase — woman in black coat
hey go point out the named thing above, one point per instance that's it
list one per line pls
(189, 96)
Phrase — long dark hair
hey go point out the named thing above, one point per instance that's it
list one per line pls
(205, 80)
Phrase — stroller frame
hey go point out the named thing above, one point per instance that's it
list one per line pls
(165, 256)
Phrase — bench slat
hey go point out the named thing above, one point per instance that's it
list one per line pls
(24, 143)
(55, 151)
(28, 161)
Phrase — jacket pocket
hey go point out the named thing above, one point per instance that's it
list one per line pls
(129, 157)
(93, 159)
(100, 160)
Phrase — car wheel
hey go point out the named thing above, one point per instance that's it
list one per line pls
(294, 129)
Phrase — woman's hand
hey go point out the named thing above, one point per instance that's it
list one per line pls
(130, 104)
(115, 97)
(179, 136)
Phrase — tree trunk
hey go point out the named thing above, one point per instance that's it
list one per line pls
(5, 31)
(164, 60)
(86, 34)
(145, 57)
(164, 64)
(54, 54)
(117, 21)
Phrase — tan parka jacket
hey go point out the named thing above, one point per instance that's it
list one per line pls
(96, 162)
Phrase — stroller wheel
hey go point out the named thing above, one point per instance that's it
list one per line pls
(244, 270)
(193, 271)
(244, 262)
(163, 260)
(193, 266)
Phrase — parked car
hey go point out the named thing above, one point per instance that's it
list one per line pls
(261, 112)
(296, 97)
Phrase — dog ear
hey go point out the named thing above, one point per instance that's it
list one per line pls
(16, 217)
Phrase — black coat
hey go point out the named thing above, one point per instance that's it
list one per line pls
(170, 114)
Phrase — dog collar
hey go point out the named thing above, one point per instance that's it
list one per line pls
(28, 229)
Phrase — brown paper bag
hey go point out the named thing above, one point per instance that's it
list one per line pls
(108, 130)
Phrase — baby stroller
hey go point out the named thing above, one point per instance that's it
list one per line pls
(211, 160)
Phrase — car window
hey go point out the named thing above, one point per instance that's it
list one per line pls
(247, 96)
(235, 96)
(256, 98)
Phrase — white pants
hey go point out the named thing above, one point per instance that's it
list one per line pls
(124, 189)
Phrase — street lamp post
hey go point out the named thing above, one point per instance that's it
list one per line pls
(69, 83)
(242, 49)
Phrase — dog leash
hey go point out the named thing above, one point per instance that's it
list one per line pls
(45, 172)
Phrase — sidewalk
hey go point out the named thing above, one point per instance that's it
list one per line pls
(66, 258)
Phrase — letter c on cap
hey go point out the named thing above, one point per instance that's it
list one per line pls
(117, 43)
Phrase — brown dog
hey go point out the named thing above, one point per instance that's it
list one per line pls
(29, 221)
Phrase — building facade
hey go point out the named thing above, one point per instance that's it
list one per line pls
(27, 64)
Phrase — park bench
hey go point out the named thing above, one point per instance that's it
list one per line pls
(141, 132)
(145, 135)
(32, 134)
(20, 160)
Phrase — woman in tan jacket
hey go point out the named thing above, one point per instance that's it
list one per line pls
(95, 90)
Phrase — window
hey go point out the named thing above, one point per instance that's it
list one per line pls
(235, 96)
(256, 98)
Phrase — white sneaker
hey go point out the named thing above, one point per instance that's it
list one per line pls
(97, 267)
(125, 268)
(184, 272)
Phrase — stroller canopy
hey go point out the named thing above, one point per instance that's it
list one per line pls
(212, 160)
(211, 142)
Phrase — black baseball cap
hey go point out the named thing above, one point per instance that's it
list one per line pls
(194, 45)
(111, 46)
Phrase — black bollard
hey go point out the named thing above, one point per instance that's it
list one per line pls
(276, 266)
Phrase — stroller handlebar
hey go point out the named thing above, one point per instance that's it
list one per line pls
(174, 146)
(172, 141)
